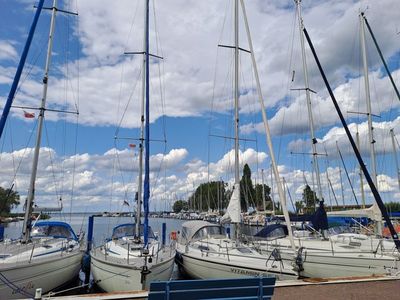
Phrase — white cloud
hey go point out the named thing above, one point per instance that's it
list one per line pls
(189, 32)
(7, 50)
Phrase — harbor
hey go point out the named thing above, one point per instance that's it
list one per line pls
(133, 170)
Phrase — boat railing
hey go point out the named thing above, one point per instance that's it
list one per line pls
(362, 226)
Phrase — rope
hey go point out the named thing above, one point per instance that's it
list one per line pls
(14, 287)
(50, 294)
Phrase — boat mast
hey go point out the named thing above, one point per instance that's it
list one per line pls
(282, 196)
(308, 100)
(26, 229)
(143, 96)
(378, 199)
(360, 171)
(21, 64)
(369, 112)
(146, 192)
(263, 189)
(368, 101)
(272, 191)
(236, 99)
(395, 155)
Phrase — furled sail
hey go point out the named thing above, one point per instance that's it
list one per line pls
(232, 214)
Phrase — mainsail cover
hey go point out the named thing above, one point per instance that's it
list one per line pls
(372, 212)
(232, 214)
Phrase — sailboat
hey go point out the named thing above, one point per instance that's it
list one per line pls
(343, 254)
(204, 251)
(48, 255)
(133, 257)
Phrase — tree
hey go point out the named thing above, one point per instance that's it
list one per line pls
(247, 192)
(180, 205)
(393, 206)
(259, 201)
(299, 206)
(210, 195)
(309, 199)
(8, 200)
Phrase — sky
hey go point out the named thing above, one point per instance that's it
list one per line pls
(86, 158)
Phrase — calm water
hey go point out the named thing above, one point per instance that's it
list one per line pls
(102, 225)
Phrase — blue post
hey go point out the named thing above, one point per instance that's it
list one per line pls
(86, 257)
(228, 232)
(90, 234)
(20, 67)
(1, 232)
(164, 233)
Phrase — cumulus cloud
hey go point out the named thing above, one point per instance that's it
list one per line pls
(95, 177)
(106, 75)
(7, 50)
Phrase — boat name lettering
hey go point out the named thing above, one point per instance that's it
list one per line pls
(245, 272)
(29, 285)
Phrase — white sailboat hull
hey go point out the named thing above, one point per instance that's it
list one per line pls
(325, 266)
(20, 280)
(321, 262)
(111, 276)
(206, 268)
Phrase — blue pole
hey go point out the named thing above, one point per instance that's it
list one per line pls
(146, 194)
(228, 231)
(86, 258)
(20, 67)
(164, 233)
(90, 234)
(2, 232)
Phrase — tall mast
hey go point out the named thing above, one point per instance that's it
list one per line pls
(360, 171)
(308, 100)
(26, 229)
(143, 97)
(21, 64)
(395, 156)
(146, 193)
(272, 191)
(378, 200)
(236, 92)
(236, 97)
(368, 101)
(369, 112)
(263, 189)
(281, 193)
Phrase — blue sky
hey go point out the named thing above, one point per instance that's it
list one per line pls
(90, 71)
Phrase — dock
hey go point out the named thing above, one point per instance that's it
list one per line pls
(366, 288)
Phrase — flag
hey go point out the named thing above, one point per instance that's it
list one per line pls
(132, 145)
(29, 115)
(126, 203)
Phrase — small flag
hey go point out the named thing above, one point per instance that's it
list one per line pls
(29, 115)
(126, 203)
(132, 145)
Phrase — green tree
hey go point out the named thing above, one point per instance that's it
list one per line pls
(259, 197)
(247, 192)
(310, 199)
(393, 206)
(210, 195)
(180, 205)
(8, 200)
(299, 206)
